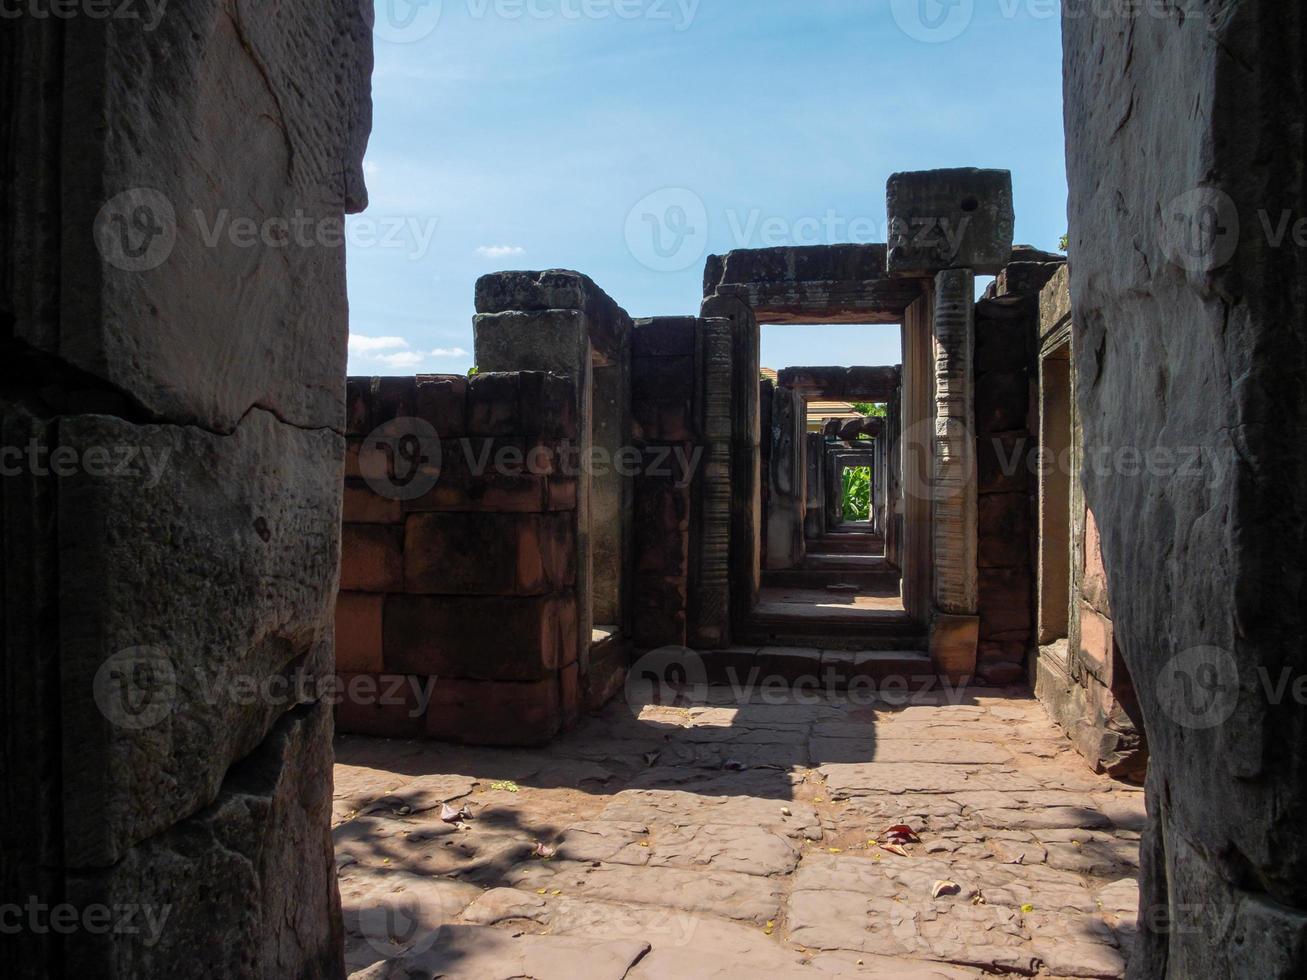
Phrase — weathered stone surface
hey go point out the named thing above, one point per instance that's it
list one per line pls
(949, 219)
(162, 695)
(1200, 266)
(249, 880)
(279, 142)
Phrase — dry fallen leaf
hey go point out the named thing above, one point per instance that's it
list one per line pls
(544, 851)
(945, 888)
(894, 849)
(450, 814)
(901, 834)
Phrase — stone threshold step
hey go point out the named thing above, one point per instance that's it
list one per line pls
(818, 578)
(748, 664)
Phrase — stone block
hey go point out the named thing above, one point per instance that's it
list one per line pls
(1005, 602)
(495, 475)
(657, 420)
(949, 219)
(1002, 401)
(496, 712)
(219, 569)
(494, 405)
(662, 379)
(364, 506)
(1004, 462)
(1003, 529)
(1096, 644)
(608, 327)
(441, 402)
(1093, 584)
(489, 554)
(358, 632)
(556, 340)
(664, 336)
(382, 705)
(569, 694)
(479, 637)
(251, 878)
(953, 646)
(358, 406)
(548, 406)
(372, 558)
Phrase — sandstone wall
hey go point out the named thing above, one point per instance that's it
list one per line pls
(1185, 154)
(167, 617)
(457, 612)
(663, 409)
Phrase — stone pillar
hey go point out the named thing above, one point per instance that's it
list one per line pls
(165, 725)
(710, 594)
(814, 464)
(787, 475)
(953, 512)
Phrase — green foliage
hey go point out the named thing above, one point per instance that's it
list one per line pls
(868, 408)
(473, 371)
(1064, 243)
(857, 493)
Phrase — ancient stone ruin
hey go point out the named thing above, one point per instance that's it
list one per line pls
(580, 665)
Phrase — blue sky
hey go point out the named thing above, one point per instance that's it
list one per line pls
(534, 134)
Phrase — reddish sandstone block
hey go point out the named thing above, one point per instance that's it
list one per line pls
(663, 420)
(372, 558)
(495, 712)
(488, 475)
(358, 406)
(476, 637)
(493, 405)
(489, 554)
(352, 445)
(364, 506)
(442, 404)
(358, 632)
(1094, 584)
(569, 692)
(569, 639)
(384, 706)
(1096, 643)
(393, 398)
(547, 406)
(561, 491)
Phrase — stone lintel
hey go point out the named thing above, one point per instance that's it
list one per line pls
(862, 384)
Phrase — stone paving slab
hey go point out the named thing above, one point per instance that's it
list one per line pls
(740, 837)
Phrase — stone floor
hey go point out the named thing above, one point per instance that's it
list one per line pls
(742, 838)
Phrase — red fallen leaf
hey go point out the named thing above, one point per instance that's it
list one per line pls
(902, 834)
(894, 849)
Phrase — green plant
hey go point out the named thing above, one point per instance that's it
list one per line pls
(1064, 243)
(870, 408)
(473, 371)
(857, 493)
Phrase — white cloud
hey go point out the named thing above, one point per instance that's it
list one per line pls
(500, 251)
(403, 359)
(450, 352)
(360, 344)
(371, 169)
